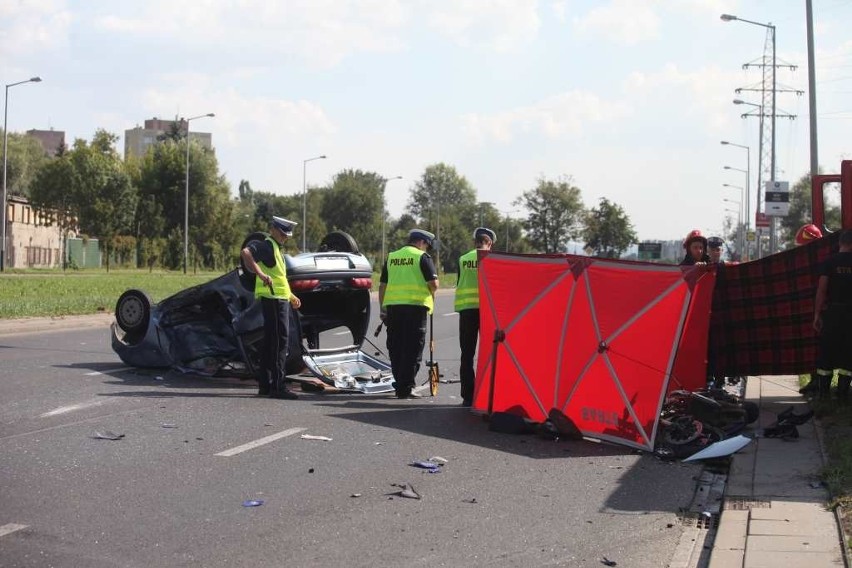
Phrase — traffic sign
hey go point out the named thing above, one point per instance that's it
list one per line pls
(777, 202)
(761, 221)
(649, 251)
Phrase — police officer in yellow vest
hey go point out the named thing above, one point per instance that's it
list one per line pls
(264, 259)
(467, 305)
(406, 294)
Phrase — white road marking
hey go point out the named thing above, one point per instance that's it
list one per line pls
(10, 528)
(119, 370)
(450, 314)
(73, 407)
(260, 442)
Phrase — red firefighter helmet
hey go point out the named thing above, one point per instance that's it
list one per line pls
(694, 235)
(807, 233)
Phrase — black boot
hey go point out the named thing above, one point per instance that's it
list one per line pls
(811, 387)
(843, 382)
(824, 386)
(281, 391)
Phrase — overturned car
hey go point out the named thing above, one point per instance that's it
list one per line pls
(217, 327)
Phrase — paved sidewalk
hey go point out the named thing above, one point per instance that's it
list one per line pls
(774, 511)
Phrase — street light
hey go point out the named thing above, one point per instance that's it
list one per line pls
(772, 170)
(748, 180)
(384, 185)
(740, 237)
(305, 200)
(5, 142)
(186, 194)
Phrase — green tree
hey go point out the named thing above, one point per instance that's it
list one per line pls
(446, 203)
(608, 230)
(51, 194)
(353, 203)
(800, 211)
(25, 158)
(555, 214)
(214, 230)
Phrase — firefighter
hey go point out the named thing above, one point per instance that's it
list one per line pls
(467, 305)
(833, 319)
(807, 233)
(264, 259)
(406, 295)
(695, 247)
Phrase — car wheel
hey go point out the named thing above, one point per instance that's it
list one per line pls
(338, 241)
(133, 311)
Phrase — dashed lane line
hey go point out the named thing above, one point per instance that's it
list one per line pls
(73, 407)
(10, 528)
(260, 442)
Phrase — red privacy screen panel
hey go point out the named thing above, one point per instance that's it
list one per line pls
(600, 340)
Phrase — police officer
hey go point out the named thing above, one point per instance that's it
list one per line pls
(714, 249)
(467, 305)
(264, 259)
(406, 294)
(833, 318)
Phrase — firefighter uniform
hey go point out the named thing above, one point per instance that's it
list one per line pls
(406, 290)
(467, 305)
(833, 319)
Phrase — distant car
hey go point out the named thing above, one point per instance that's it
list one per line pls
(217, 327)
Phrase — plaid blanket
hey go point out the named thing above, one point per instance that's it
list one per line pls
(763, 312)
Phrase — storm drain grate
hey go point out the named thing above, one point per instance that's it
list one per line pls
(700, 520)
(745, 504)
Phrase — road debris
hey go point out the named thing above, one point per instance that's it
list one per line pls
(107, 435)
(253, 503)
(406, 490)
(312, 437)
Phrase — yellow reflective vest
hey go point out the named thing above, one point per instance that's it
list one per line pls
(278, 274)
(467, 288)
(406, 285)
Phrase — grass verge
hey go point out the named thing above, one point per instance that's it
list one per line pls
(835, 419)
(54, 293)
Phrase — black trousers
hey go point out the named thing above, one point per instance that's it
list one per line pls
(276, 331)
(406, 337)
(835, 342)
(468, 336)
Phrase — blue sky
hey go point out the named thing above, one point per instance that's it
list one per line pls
(630, 98)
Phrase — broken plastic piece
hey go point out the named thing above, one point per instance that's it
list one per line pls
(431, 466)
(312, 437)
(355, 495)
(167, 425)
(107, 435)
(253, 503)
(721, 449)
(407, 491)
(438, 459)
(607, 562)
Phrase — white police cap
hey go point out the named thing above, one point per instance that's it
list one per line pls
(284, 225)
(485, 231)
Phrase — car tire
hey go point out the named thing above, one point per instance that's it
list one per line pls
(133, 312)
(339, 241)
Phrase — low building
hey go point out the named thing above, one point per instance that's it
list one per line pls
(34, 240)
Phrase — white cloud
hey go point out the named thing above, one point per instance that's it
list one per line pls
(555, 117)
(32, 25)
(501, 25)
(321, 32)
(240, 120)
(621, 21)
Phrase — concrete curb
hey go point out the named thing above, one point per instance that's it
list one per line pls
(19, 326)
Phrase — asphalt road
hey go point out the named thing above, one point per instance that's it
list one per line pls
(170, 492)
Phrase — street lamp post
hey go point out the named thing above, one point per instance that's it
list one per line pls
(739, 205)
(186, 194)
(772, 170)
(384, 185)
(305, 200)
(5, 143)
(747, 204)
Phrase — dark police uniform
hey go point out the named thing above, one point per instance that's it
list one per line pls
(467, 305)
(835, 344)
(407, 299)
(275, 299)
